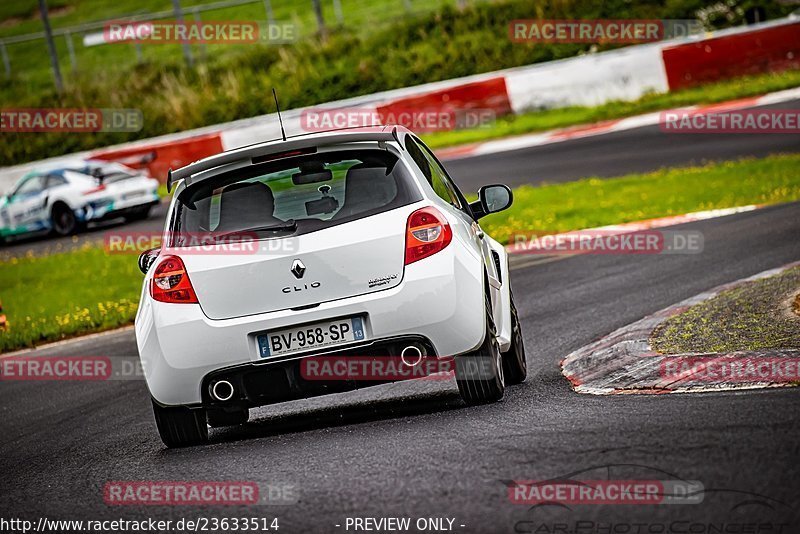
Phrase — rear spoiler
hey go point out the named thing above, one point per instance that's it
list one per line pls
(264, 149)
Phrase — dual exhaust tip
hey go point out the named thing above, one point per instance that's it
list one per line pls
(222, 390)
(412, 355)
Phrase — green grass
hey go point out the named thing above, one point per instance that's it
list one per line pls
(52, 297)
(542, 120)
(30, 62)
(22, 16)
(754, 316)
(597, 202)
(162, 191)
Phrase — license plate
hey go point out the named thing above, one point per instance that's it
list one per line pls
(311, 336)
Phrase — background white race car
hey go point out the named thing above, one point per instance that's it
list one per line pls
(64, 198)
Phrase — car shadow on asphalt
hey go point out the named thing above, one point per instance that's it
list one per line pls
(336, 414)
(46, 242)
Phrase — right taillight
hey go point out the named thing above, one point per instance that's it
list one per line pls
(171, 282)
(427, 232)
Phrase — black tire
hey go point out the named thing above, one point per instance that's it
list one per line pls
(179, 426)
(63, 220)
(479, 375)
(139, 214)
(515, 368)
(219, 418)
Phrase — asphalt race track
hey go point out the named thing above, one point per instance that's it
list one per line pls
(638, 150)
(614, 154)
(414, 450)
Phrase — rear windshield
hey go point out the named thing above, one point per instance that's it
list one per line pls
(293, 196)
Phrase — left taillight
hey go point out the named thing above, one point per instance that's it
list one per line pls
(427, 232)
(171, 282)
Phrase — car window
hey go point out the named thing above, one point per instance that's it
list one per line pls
(419, 158)
(54, 180)
(433, 172)
(30, 186)
(315, 192)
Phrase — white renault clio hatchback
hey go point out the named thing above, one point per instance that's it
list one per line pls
(357, 244)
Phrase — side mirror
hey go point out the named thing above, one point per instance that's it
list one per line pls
(491, 199)
(147, 258)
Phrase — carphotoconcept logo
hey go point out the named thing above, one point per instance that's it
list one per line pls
(76, 120)
(568, 503)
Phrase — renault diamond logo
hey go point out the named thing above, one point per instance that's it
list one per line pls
(298, 269)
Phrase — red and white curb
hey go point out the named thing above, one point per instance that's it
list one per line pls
(610, 126)
(623, 362)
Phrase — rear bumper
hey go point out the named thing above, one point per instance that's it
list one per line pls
(440, 300)
(106, 210)
(295, 378)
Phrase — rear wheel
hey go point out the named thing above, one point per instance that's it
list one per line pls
(479, 375)
(515, 368)
(63, 219)
(179, 426)
(218, 418)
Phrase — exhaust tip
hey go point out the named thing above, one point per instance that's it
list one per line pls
(411, 355)
(222, 390)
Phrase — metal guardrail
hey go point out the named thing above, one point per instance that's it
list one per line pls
(142, 17)
(177, 13)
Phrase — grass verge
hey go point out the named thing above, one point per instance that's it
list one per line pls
(62, 295)
(538, 121)
(54, 297)
(754, 316)
(594, 202)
